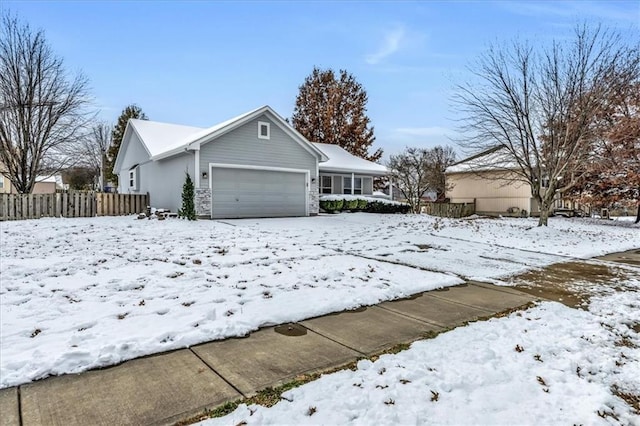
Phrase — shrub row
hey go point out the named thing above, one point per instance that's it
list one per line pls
(365, 205)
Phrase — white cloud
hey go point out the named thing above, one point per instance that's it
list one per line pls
(391, 43)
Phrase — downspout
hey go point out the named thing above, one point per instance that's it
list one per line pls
(197, 169)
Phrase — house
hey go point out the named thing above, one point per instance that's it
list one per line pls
(489, 180)
(253, 165)
(43, 185)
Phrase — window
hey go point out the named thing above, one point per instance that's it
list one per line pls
(264, 130)
(367, 185)
(1, 181)
(133, 181)
(357, 185)
(325, 184)
(346, 185)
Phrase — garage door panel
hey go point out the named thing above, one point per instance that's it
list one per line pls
(257, 193)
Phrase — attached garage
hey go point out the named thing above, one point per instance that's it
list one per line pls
(244, 191)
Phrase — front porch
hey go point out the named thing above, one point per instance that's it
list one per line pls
(345, 183)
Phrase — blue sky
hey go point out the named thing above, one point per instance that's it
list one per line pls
(198, 63)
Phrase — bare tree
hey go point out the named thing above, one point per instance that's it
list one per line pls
(410, 174)
(92, 151)
(42, 111)
(539, 105)
(439, 159)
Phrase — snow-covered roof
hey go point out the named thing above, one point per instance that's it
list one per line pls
(57, 179)
(491, 160)
(340, 160)
(164, 140)
(159, 137)
(201, 133)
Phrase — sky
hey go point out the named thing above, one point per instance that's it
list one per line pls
(199, 63)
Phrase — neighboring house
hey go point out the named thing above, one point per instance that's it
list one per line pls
(5, 185)
(488, 180)
(43, 185)
(253, 165)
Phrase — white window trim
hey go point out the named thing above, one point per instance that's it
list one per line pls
(322, 187)
(268, 125)
(355, 188)
(344, 186)
(352, 189)
(133, 178)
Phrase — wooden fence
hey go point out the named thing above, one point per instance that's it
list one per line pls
(70, 204)
(453, 210)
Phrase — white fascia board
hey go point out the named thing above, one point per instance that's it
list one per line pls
(358, 171)
(247, 167)
(125, 145)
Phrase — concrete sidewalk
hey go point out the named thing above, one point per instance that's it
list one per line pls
(165, 388)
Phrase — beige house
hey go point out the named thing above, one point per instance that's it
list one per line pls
(487, 180)
(44, 185)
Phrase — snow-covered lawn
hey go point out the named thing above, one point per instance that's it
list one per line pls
(82, 293)
(548, 365)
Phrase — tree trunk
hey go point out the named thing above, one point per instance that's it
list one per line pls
(638, 214)
(544, 213)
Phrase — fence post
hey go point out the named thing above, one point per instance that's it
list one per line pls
(99, 198)
(4, 207)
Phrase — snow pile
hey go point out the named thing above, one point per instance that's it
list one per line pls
(548, 365)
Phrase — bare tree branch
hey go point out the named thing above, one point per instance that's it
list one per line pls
(417, 170)
(42, 110)
(538, 105)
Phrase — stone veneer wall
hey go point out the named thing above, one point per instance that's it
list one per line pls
(203, 202)
(314, 199)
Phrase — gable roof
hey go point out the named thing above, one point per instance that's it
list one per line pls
(194, 140)
(159, 137)
(156, 137)
(340, 160)
(164, 140)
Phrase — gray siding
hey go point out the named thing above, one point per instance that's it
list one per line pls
(135, 154)
(242, 146)
(163, 180)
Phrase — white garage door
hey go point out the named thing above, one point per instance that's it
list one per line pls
(257, 193)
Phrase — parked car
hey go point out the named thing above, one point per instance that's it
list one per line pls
(569, 213)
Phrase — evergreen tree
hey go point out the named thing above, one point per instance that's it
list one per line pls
(333, 110)
(131, 111)
(188, 210)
